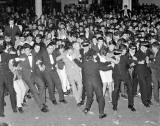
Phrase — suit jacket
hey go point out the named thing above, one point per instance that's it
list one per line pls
(27, 70)
(46, 61)
(12, 32)
(4, 67)
(91, 70)
(128, 12)
(155, 65)
(121, 69)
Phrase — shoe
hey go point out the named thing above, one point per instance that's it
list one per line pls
(131, 108)
(20, 109)
(147, 105)
(28, 96)
(24, 104)
(101, 116)
(45, 105)
(54, 102)
(44, 109)
(24, 100)
(124, 96)
(66, 93)
(2, 115)
(86, 110)
(63, 101)
(114, 108)
(15, 110)
(149, 102)
(82, 102)
(5, 103)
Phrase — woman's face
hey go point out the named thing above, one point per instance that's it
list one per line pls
(61, 50)
(49, 36)
(111, 47)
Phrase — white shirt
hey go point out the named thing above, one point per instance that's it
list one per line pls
(30, 58)
(51, 59)
(11, 26)
(125, 13)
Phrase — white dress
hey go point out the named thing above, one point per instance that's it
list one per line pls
(106, 76)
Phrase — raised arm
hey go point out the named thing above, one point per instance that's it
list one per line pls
(79, 63)
(105, 66)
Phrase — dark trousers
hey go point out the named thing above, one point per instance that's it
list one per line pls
(145, 86)
(91, 87)
(31, 81)
(115, 94)
(135, 82)
(53, 81)
(83, 91)
(156, 82)
(6, 81)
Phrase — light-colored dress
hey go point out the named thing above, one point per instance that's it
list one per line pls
(74, 75)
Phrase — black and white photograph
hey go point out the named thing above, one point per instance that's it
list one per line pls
(79, 62)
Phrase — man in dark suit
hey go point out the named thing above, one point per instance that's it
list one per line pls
(50, 74)
(93, 82)
(144, 74)
(6, 81)
(155, 68)
(30, 77)
(126, 13)
(11, 30)
(121, 73)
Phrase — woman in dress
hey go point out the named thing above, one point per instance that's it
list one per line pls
(19, 85)
(62, 73)
(106, 76)
(73, 73)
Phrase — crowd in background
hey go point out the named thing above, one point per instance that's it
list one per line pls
(92, 51)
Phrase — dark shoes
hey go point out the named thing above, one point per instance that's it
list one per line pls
(131, 108)
(80, 104)
(149, 102)
(54, 102)
(2, 115)
(114, 108)
(15, 110)
(5, 103)
(86, 110)
(44, 109)
(20, 109)
(124, 96)
(67, 92)
(63, 101)
(101, 116)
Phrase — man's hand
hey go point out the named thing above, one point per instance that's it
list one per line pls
(38, 62)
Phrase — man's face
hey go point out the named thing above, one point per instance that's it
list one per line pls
(144, 48)
(38, 40)
(154, 49)
(50, 49)
(27, 51)
(76, 46)
(100, 42)
(11, 22)
(37, 48)
(22, 39)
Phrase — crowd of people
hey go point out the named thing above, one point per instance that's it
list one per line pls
(80, 52)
